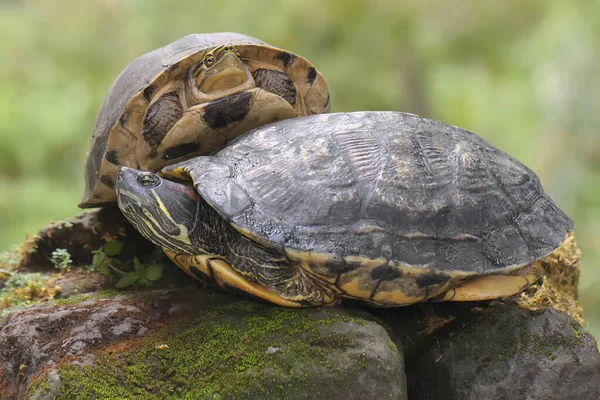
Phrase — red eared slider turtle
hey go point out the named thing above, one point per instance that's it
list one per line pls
(388, 208)
(190, 98)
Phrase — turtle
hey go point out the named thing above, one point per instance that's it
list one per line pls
(192, 97)
(384, 208)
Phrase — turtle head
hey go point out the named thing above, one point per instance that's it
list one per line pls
(163, 211)
(221, 73)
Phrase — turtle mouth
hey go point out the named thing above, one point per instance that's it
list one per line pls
(128, 201)
(228, 73)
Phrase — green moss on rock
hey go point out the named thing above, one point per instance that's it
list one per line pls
(239, 350)
(20, 290)
(508, 352)
(105, 294)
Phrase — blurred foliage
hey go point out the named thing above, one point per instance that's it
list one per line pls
(523, 74)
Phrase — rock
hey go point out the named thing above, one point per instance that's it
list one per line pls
(411, 327)
(507, 352)
(194, 343)
(197, 343)
(77, 282)
(81, 235)
(34, 277)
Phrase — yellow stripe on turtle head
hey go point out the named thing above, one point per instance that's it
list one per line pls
(217, 51)
(130, 195)
(183, 231)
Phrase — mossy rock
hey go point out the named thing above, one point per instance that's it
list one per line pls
(507, 352)
(196, 344)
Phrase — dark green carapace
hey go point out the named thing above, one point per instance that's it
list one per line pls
(384, 207)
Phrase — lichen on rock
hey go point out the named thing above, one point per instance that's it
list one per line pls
(197, 344)
(560, 285)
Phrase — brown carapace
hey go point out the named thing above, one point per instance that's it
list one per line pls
(191, 98)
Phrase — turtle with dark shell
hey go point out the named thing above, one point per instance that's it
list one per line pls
(191, 98)
(383, 207)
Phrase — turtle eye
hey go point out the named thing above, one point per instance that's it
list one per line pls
(148, 181)
(209, 60)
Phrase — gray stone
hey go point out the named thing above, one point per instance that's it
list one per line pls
(83, 233)
(196, 344)
(506, 352)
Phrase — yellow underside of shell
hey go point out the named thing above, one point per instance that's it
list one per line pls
(359, 284)
(220, 271)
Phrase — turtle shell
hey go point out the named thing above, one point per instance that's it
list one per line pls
(120, 137)
(343, 189)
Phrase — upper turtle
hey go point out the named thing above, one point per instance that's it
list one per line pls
(385, 207)
(192, 97)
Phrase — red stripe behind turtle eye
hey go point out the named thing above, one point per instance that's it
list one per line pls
(184, 189)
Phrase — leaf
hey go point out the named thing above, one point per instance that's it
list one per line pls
(154, 272)
(113, 248)
(104, 269)
(98, 260)
(144, 282)
(127, 280)
(138, 267)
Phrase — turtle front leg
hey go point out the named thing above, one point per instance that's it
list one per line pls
(299, 83)
(272, 270)
(296, 291)
(167, 107)
(277, 83)
(206, 128)
(244, 265)
(218, 270)
(161, 116)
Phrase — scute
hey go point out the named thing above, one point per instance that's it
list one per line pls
(146, 68)
(384, 185)
(119, 121)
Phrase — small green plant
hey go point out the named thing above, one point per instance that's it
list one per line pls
(9, 259)
(19, 280)
(105, 258)
(105, 261)
(142, 274)
(21, 289)
(61, 259)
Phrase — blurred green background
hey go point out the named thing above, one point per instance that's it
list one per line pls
(525, 75)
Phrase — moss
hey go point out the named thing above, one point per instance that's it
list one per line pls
(9, 260)
(105, 294)
(17, 288)
(12, 259)
(505, 346)
(577, 334)
(543, 347)
(24, 289)
(228, 352)
(560, 285)
(40, 388)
